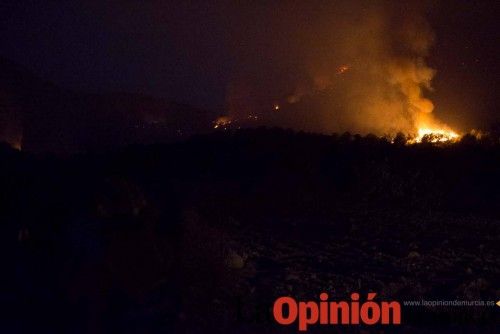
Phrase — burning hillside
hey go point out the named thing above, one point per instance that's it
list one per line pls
(434, 135)
(360, 67)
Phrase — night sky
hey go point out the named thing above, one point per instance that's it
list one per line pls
(191, 52)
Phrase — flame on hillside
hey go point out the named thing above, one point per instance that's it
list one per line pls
(436, 135)
(222, 122)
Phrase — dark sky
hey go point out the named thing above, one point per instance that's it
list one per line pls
(156, 47)
(191, 51)
(466, 56)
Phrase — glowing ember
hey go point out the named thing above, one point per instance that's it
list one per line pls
(222, 122)
(435, 135)
(342, 69)
(17, 146)
(276, 107)
(16, 142)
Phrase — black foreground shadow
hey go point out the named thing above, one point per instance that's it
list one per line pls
(203, 235)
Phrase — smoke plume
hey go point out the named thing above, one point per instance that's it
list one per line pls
(355, 66)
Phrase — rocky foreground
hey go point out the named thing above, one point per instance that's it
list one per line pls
(204, 235)
(399, 255)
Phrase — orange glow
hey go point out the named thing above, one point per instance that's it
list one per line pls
(17, 146)
(222, 122)
(429, 129)
(16, 143)
(342, 69)
(435, 135)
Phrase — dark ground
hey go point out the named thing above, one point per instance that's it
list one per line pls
(204, 235)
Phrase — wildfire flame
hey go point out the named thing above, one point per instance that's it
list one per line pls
(342, 69)
(431, 130)
(222, 122)
(17, 145)
(436, 135)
